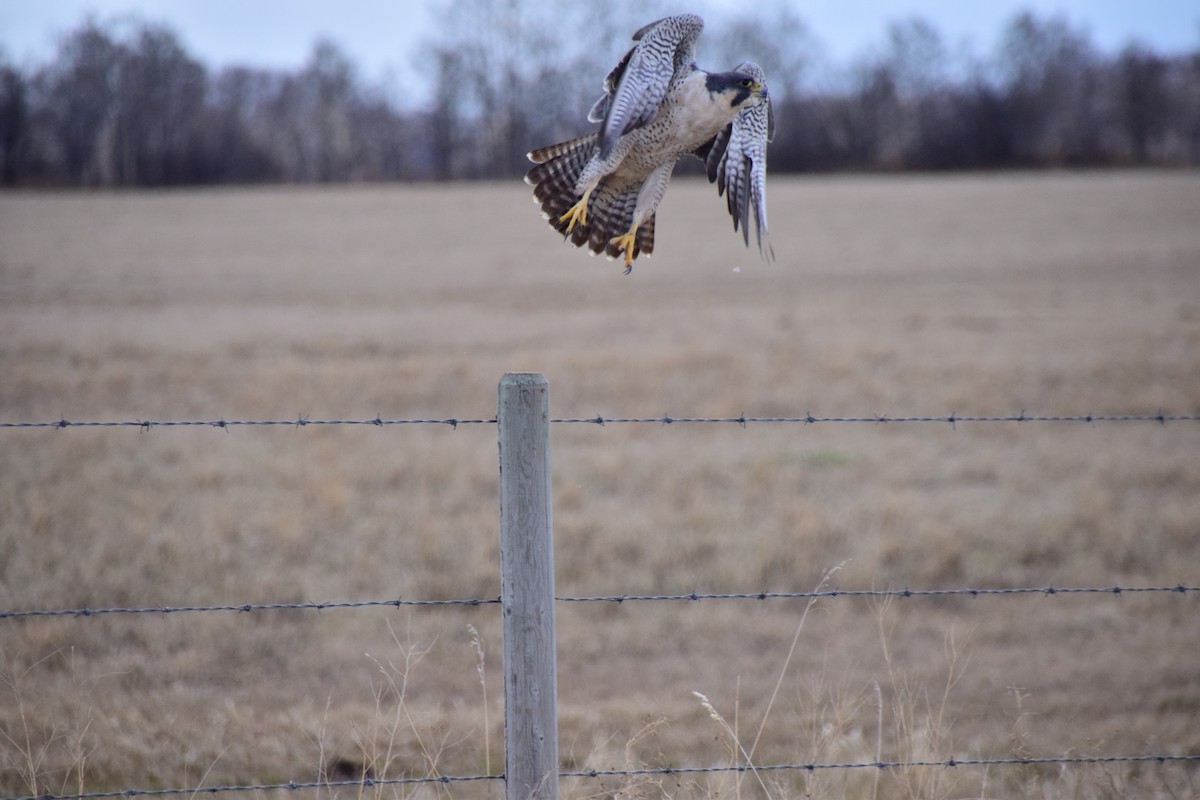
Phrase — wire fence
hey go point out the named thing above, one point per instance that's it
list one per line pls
(442, 780)
(691, 597)
(742, 420)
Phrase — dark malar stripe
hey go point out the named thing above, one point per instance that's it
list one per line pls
(716, 82)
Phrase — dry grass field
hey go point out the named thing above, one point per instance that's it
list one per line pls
(1049, 294)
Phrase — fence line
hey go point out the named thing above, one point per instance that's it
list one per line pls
(885, 765)
(948, 763)
(975, 592)
(226, 424)
(949, 419)
(534, 425)
(742, 420)
(243, 608)
(1048, 591)
(263, 787)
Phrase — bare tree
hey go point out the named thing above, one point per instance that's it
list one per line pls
(310, 116)
(122, 113)
(79, 92)
(159, 100)
(488, 56)
(328, 88)
(1142, 99)
(14, 122)
(237, 141)
(1051, 78)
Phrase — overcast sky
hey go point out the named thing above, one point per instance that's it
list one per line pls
(380, 35)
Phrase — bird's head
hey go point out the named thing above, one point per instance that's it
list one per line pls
(741, 89)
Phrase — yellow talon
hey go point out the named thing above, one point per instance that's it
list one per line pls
(576, 214)
(626, 241)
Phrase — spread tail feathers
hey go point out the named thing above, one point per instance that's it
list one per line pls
(553, 177)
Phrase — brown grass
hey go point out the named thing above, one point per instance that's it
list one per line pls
(1044, 293)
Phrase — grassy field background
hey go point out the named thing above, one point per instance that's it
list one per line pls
(1048, 294)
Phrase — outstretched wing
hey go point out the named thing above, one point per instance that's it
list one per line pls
(736, 159)
(637, 85)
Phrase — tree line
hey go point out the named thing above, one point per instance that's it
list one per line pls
(125, 104)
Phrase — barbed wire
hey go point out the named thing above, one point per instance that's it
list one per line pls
(885, 765)
(952, 419)
(962, 592)
(242, 608)
(226, 424)
(262, 787)
(948, 763)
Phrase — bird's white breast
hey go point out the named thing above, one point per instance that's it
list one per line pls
(688, 117)
(698, 113)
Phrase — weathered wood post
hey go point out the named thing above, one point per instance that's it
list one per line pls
(527, 589)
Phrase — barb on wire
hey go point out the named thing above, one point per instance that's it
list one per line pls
(953, 420)
(1047, 591)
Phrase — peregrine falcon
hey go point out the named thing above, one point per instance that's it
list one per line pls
(603, 189)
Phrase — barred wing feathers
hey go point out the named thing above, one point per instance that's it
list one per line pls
(736, 160)
(634, 90)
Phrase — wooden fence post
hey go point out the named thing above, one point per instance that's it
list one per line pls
(527, 589)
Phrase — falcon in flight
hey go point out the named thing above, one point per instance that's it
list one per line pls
(603, 189)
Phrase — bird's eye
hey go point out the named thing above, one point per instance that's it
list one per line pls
(747, 83)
